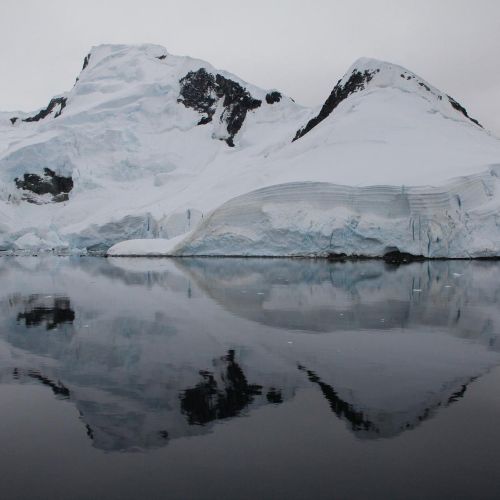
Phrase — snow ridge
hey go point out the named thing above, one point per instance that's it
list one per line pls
(368, 74)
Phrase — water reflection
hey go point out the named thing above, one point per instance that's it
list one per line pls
(340, 407)
(324, 297)
(213, 400)
(44, 310)
(361, 423)
(152, 350)
(58, 389)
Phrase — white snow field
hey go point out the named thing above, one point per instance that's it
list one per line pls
(155, 154)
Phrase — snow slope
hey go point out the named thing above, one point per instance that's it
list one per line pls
(150, 145)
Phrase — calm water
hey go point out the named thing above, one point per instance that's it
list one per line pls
(248, 379)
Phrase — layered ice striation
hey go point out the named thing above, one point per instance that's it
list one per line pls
(461, 219)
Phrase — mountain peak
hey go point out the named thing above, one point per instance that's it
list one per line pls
(370, 74)
(101, 51)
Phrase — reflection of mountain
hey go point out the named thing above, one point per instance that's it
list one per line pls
(137, 344)
(211, 400)
(222, 393)
(340, 407)
(382, 425)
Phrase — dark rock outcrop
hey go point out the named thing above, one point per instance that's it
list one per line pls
(198, 92)
(85, 64)
(50, 183)
(56, 101)
(396, 257)
(462, 110)
(202, 91)
(273, 97)
(356, 82)
(13, 120)
(86, 61)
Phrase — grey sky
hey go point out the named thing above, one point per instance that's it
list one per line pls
(300, 47)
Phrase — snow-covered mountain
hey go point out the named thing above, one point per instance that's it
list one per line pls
(151, 145)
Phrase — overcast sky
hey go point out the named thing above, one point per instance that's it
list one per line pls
(301, 47)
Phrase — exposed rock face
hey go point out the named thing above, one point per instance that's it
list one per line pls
(198, 92)
(273, 97)
(396, 257)
(202, 91)
(356, 82)
(462, 110)
(53, 104)
(50, 183)
(86, 61)
(13, 120)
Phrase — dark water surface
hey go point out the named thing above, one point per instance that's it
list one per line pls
(248, 379)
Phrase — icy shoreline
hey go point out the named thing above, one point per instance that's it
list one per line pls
(319, 219)
(334, 258)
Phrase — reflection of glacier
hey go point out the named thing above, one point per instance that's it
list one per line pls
(152, 350)
(323, 297)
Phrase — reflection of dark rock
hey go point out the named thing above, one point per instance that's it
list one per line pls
(209, 401)
(50, 183)
(52, 315)
(341, 408)
(274, 396)
(338, 257)
(201, 91)
(356, 82)
(459, 394)
(380, 424)
(53, 104)
(57, 387)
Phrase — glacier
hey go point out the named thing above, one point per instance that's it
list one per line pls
(155, 154)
